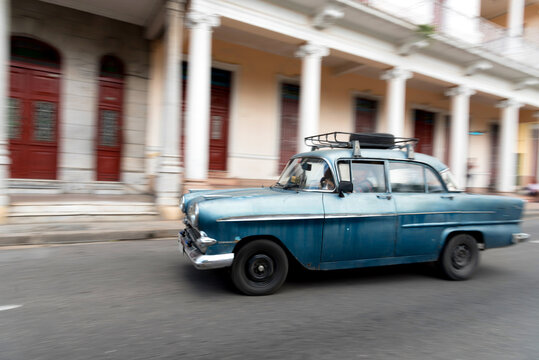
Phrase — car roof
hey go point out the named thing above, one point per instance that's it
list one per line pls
(333, 155)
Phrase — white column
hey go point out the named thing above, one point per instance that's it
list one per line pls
(4, 80)
(536, 156)
(508, 145)
(155, 111)
(197, 124)
(169, 178)
(460, 125)
(309, 96)
(515, 18)
(395, 99)
(439, 136)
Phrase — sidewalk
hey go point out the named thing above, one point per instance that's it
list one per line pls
(86, 232)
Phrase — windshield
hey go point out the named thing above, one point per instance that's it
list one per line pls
(449, 180)
(307, 174)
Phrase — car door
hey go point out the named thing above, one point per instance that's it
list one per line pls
(359, 225)
(423, 205)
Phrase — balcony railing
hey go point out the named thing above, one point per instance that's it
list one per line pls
(468, 30)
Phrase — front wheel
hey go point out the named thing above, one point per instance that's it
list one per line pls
(460, 257)
(259, 268)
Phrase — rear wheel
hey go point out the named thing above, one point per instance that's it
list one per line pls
(259, 268)
(460, 257)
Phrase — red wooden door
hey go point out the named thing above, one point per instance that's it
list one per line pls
(365, 115)
(219, 117)
(109, 130)
(447, 156)
(494, 149)
(33, 121)
(424, 131)
(220, 100)
(289, 122)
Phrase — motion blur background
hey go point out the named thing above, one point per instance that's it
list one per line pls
(114, 108)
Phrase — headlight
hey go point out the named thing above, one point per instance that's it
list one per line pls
(193, 214)
(182, 204)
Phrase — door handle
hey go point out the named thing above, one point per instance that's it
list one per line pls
(384, 196)
(450, 197)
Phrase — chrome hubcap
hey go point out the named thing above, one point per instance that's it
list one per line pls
(260, 268)
(461, 256)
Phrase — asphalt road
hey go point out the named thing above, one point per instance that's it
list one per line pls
(142, 300)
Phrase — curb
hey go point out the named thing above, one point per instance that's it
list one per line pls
(73, 237)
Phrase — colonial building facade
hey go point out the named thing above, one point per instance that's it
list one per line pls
(123, 99)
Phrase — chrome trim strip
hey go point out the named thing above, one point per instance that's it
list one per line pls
(336, 216)
(497, 222)
(344, 216)
(273, 217)
(449, 212)
(430, 224)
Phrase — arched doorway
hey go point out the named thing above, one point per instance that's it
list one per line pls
(33, 109)
(110, 114)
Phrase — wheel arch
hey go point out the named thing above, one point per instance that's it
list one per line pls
(450, 233)
(248, 239)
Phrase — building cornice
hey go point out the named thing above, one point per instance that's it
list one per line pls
(512, 103)
(459, 90)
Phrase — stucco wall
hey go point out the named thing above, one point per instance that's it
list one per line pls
(82, 39)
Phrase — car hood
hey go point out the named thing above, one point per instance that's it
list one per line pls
(197, 196)
(255, 201)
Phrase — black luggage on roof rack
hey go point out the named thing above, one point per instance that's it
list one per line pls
(374, 141)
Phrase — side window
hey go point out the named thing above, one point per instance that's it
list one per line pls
(406, 178)
(434, 185)
(368, 177)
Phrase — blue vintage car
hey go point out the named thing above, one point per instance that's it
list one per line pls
(355, 200)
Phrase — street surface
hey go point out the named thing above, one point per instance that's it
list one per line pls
(142, 300)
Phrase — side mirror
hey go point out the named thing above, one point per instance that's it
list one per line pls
(345, 187)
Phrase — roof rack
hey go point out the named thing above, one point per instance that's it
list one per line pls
(357, 141)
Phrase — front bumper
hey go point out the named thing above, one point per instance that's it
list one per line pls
(520, 237)
(200, 260)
